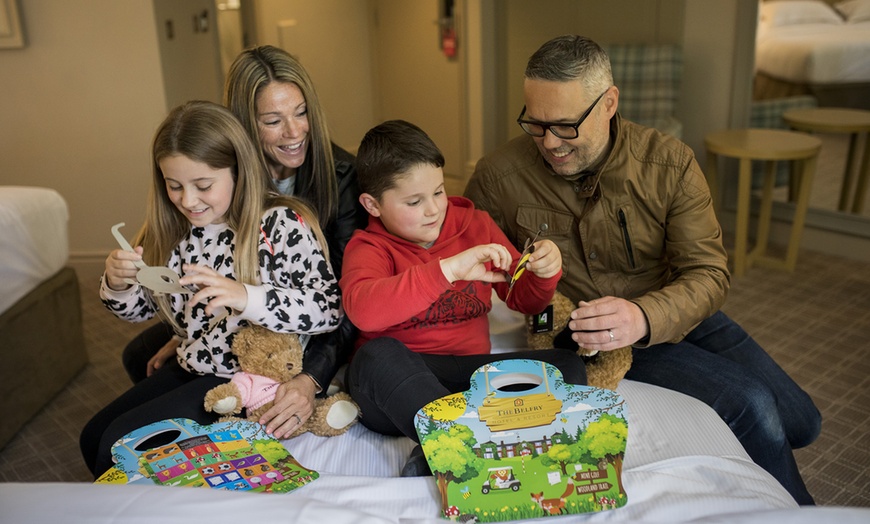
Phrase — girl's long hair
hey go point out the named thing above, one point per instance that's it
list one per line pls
(209, 133)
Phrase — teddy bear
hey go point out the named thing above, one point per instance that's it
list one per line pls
(268, 359)
(604, 369)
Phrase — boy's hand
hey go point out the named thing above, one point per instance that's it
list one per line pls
(471, 264)
(546, 260)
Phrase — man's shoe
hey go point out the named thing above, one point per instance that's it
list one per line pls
(416, 466)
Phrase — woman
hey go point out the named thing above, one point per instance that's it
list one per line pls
(273, 96)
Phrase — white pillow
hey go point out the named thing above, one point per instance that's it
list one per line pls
(795, 12)
(854, 10)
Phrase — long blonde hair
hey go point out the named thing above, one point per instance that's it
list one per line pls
(209, 133)
(250, 73)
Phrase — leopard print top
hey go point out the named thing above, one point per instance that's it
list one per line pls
(298, 292)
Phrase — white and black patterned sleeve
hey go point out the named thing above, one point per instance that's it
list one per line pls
(133, 304)
(299, 291)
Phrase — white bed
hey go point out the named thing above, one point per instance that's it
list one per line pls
(811, 47)
(682, 464)
(40, 308)
(33, 243)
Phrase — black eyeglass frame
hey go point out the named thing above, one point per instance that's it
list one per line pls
(548, 125)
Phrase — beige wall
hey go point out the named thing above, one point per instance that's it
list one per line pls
(80, 103)
(78, 107)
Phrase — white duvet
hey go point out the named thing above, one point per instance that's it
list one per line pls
(33, 239)
(815, 53)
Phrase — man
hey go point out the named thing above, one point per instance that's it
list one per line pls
(642, 249)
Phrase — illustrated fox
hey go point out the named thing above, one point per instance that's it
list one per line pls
(554, 506)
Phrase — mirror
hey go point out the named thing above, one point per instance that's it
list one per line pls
(793, 28)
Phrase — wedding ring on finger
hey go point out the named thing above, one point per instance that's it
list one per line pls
(298, 420)
(611, 334)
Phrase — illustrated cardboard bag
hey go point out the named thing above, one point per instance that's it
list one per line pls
(522, 443)
(237, 456)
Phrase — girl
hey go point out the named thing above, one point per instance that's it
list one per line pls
(274, 98)
(245, 251)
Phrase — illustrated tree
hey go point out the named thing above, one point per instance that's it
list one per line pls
(605, 440)
(272, 450)
(561, 455)
(450, 456)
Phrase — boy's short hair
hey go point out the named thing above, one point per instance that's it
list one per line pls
(390, 150)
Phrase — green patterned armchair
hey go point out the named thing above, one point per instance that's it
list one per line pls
(648, 77)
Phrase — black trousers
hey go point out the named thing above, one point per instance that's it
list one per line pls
(170, 392)
(391, 383)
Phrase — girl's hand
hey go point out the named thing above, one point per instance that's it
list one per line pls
(215, 290)
(294, 404)
(546, 260)
(471, 264)
(120, 265)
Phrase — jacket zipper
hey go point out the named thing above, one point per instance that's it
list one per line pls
(623, 223)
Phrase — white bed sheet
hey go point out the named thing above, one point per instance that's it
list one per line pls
(673, 471)
(815, 53)
(33, 239)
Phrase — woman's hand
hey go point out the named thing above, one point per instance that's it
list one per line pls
(163, 354)
(215, 290)
(294, 404)
(120, 266)
(471, 264)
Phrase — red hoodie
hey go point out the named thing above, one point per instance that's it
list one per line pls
(394, 288)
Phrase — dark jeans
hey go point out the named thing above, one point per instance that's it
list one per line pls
(391, 383)
(721, 365)
(170, 392)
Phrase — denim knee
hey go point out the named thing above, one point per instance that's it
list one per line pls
(808, 431)
(751, 411)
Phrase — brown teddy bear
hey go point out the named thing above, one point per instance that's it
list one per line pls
(604, 369)
(269, 359)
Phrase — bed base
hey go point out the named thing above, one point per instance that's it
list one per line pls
(43, 348)
(855, 96)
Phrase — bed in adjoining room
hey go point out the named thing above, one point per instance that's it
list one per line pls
(815, 47)
(41, 337)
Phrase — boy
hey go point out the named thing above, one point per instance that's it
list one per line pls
(418, 281)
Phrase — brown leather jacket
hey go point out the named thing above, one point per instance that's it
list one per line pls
(642, 228)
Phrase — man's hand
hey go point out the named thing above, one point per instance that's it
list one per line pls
(607, 323)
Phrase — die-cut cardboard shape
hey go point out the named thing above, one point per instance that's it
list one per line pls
(236, 456)
(522, 443)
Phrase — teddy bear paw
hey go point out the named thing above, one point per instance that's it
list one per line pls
(341, 414)
(224, 406)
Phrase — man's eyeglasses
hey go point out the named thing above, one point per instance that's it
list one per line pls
(564, 131)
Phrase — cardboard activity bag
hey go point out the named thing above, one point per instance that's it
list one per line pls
(237, 456)
(522, 443)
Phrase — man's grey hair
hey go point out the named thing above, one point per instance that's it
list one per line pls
(572, 57)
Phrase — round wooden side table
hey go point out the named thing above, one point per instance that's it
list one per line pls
(840, 120)
(769, 145)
